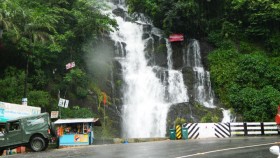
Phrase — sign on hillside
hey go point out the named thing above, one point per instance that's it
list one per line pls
(54, 114)
(70, 65)
(176, 38)
(63, 103)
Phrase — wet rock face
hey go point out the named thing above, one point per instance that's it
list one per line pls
(122, 13)
(177, 56)
(119, 12)
(189, 82)
(191, 112)
(180, 47)
(156, 52)
(117, 2)
(205, 48)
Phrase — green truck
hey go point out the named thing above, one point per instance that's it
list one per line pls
(33, 132)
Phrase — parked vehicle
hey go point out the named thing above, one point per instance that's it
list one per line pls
(33, 132)
(275, 150)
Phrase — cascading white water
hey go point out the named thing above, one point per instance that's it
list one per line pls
(144, 109)
(226, 114)
(202, 87)
(176, 88)
(145, 104)
(149, 90)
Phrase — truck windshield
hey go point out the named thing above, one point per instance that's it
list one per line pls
(2, 128)
(14, 126)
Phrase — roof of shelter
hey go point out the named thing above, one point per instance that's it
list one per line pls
(95, 121)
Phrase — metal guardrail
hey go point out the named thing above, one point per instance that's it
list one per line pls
(253, 128)
(224, 130)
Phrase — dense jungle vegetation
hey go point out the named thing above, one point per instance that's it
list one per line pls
(245, 65)
(38, 38)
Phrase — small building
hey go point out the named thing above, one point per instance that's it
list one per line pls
(76, 131)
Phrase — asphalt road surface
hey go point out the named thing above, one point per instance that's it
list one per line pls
(236, 147)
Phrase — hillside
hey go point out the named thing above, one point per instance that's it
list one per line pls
(239, 40)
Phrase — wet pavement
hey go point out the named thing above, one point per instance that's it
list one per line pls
(236, 147)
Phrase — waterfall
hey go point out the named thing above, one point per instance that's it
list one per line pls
(176, 88)
(144, 109)
(149, 90)
(228, 116)
(203, 93)
(145, 105)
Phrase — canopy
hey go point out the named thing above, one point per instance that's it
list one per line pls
(95, 121)
(3, 119)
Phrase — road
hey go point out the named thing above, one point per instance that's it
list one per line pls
(236, 147)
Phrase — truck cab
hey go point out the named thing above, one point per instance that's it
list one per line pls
(33, 132)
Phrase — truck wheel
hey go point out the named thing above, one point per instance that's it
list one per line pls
(46, 146)
(37, 143)
(1, 152)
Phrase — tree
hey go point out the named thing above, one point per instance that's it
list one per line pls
(38, 27)
(11, 85)
(76, 112)
(9, 11)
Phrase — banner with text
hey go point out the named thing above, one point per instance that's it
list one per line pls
(12, 111)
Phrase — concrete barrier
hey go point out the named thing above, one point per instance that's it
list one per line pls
(123, 140)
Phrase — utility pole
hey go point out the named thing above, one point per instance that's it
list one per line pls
(24, 99)
(104, 104)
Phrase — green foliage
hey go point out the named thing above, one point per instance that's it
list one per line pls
(180, 121)
(273, 44)
(76, 112)
(252, 72)
(39, 99)
(48, 34)
(257, 19)
(119, 83)
(77, 81)
(256, 105)
(39, 79)
(12, 85)
(81, 92)
(246, 81)
(74, 76)
(234, 19)
(209, 118)
(224, 69)
(170, 15)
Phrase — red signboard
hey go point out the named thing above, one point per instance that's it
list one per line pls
(104, 98)
(176, 38)
(277, 119)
